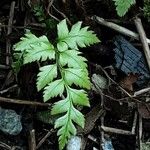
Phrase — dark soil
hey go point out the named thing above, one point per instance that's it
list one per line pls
(118, 114)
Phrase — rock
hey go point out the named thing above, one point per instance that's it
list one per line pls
(107, 145)
(74, 143)
(10, 122)
(99, 83)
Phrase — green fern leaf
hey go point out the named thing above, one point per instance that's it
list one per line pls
(122, 6)
(67, 129)
(72, 59)
(40, 51)
(77, 117)
(53, 89)
(62, 29)
(70, 69)
(77, 37)
(25, 43)
(34, 48)
(61, 106)
(66, 126)
(61, 46)
(65, 123)
(79, 97)
(77, 76)
(46, 75)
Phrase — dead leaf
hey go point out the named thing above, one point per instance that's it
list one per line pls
(144, 111)
(91, 119)
(127, 82)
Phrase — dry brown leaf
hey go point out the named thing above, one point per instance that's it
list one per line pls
(91, 119)
(127, 82)
(144, 111)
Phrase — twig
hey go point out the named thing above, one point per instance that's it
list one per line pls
(91, 119)
(38, 25)
(44, 138)
(4, 67)
(23, 102)
(102, 119)
(5, 146)
(84, 142)
(117, 131)
(62, 14)
(8, 89)
(10, 22)
(134, 123)
(140, 130)
(92, 138)
(50, 4)
(32, 140)
(16, 148)
(143, 38)
(23, 27)
(48, 11)
(117, 28)
(141, 91)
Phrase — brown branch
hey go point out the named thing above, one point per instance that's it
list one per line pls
(142, 91)
(5, 146)
(4, 67)
(44, 138)
(48, 10)
(23, 102)
(134, 122)
(8, 89)
(50, 4)
(62, 14)
(143, 38)
(117, 131)
(117, 28)
(10, 23)
(32, 140)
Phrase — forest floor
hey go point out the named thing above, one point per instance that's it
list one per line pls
(119, 116)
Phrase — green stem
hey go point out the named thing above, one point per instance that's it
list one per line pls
(60, 72)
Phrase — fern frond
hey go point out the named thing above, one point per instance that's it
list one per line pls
(70, 68)
(79, 97)
(66, 126)
(61, 106)
(77, 76)
(66, 129)
(25, 43)
(35, 48)
(53, 89)
(73, 59)
(77, 37)
(40, 51)
(46, 75)
(122, 6)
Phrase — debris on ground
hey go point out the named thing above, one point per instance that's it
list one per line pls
(130, 60)
(119, 114)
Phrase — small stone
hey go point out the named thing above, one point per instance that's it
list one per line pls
(74, 143)
(10, 122)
